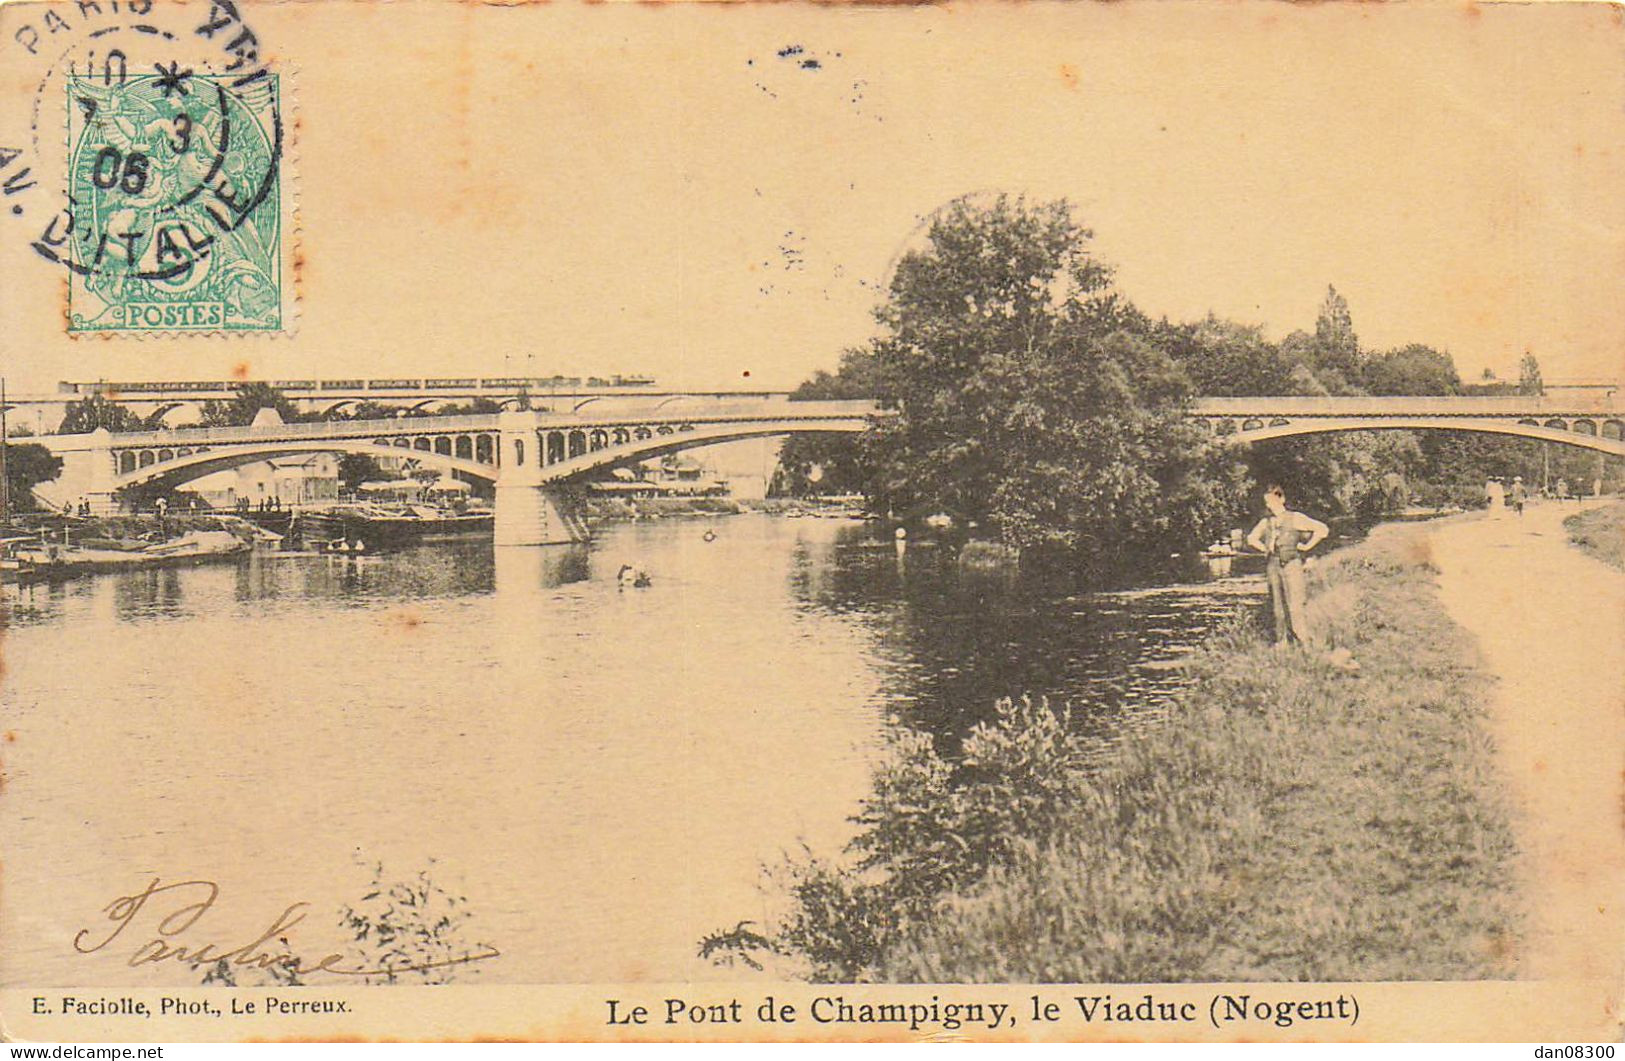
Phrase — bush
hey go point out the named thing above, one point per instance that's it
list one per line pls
(1287, 821)
(1600, 532)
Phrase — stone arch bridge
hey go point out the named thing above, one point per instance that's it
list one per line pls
(532, 456)
(1594, 422)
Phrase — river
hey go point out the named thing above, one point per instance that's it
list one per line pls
(600, 773)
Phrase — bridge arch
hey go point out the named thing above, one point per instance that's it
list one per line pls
(645, 444)
(195, 465)
(334, 407)
(1545, 432)
(177, 414)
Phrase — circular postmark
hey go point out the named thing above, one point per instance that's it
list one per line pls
(169, 214)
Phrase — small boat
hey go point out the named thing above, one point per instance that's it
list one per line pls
(42, 559)
(10, 548)
(386, 525)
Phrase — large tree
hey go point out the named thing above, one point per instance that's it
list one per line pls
(1337, 348)
(1227, 359)
(1030, 400)
(94, 412)
(27, 465)
(1413, 369)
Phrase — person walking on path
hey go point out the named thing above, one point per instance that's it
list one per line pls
(1520, 494)
(1285, 536)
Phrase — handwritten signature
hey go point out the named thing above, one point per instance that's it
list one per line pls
(199, 897)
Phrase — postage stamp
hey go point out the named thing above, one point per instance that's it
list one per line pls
(174, 180)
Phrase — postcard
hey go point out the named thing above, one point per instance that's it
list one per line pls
(811, 522)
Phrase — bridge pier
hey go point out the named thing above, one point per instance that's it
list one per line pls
(88, 474)
(535, 515)
(527, 511)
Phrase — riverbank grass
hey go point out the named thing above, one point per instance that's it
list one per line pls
(1600, 532)
(1290, 820)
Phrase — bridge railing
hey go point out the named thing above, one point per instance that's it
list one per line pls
(587, 417)
(403, 425)
(702, 411)
(1455, 405)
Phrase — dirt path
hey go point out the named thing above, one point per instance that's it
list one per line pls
(1551, 623)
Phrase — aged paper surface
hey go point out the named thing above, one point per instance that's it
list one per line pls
(504, 790)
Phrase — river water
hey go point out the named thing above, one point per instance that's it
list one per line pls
(600, 773)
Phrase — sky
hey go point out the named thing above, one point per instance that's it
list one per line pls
(714, 196)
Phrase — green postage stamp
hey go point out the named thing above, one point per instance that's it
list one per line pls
(175, 188)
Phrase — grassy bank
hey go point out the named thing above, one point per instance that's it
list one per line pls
(1289, 821)
(1600, 532)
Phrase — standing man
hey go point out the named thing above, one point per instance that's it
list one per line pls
(1286, 536)
(1520, 494)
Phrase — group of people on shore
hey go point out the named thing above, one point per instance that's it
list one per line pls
(264, 506)
(1500, 497)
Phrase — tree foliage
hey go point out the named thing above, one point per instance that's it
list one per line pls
(1039, 404)
(357, 468)
(95, 412)
(246, 402)
(374, 410)
(823, 463)
(1529, 381)
(1226, 359)
(1411, 369)
(1031, 399)
(1337, 348)
(27, 465)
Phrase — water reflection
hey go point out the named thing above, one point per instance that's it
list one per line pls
(522, 573)
(954, 641)
(602, 771)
